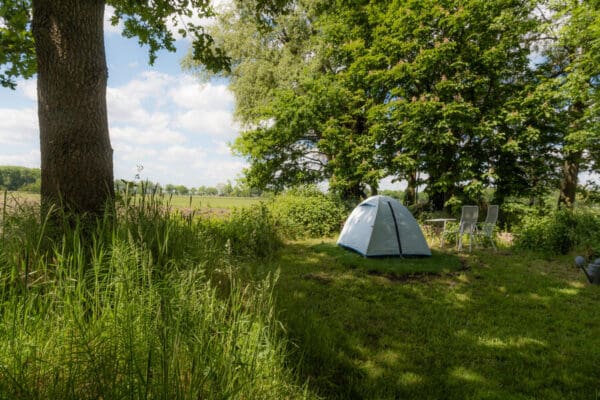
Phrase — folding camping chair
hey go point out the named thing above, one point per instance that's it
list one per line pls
(467, 226)
(486, 228)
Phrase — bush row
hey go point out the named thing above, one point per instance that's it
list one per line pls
(307, 213)
(560, 232)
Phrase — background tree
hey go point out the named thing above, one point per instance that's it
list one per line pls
(450, 70)
(570, 76)
(303, 112)
(339, 90)
(19, 178)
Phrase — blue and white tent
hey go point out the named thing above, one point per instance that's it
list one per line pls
(381, 226)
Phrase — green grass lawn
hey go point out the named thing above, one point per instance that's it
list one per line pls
(206, 203)
(476, 326)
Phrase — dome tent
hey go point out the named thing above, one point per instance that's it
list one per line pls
(381, 226)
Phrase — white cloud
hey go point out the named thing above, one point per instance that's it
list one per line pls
(192, 95)
(29, 159)
(184, 155)
(149, 84)
(214, 123)
(222, 148)
(172, 124)
(158, 108)
(158, 119)
(109, 28)
(123, 107)
(139, 135)
(28, 88)
(190, 166)
(18, 125)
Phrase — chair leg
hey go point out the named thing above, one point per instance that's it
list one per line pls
(493, 244)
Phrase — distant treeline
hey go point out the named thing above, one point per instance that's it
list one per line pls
(20, 178)
(220, 189)
(29, 180)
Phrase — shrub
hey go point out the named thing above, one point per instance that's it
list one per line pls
(513, 211)
(249, 232)
(307, 212)
(560, 232)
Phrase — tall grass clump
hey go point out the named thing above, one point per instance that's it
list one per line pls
(561, 232)
(307, 212)
(128, 309)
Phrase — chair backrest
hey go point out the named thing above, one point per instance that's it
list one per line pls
(492, 214)
(468, 218)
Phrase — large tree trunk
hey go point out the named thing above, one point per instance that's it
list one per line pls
(77, 167)
(568, 183)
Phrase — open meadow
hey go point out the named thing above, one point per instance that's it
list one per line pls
(202, 204)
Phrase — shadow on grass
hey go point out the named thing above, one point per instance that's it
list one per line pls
(438, 263)
(507, 327)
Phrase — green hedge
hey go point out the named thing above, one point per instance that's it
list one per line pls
(307, 212)
(561, 232)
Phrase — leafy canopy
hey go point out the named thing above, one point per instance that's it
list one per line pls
(152, 22)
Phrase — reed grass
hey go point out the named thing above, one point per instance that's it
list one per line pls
(148, 307)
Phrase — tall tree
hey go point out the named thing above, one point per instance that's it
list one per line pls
(449, 69)
(570, 74)
(63, 41)
(304, 112)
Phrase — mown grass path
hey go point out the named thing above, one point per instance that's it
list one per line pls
(484, 326)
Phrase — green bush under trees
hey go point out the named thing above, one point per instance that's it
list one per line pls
(307, 212)
(561, 232)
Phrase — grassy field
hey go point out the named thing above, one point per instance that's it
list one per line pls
(214, 203)
(477, 326)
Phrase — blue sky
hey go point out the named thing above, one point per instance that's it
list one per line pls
(160, 117)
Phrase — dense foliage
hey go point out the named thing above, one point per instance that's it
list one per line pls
(307, 212)
(20, 178)
(561, 232)
(458, 96)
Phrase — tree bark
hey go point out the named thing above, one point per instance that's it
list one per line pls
(76, 154)
(568, 183)
(374, 190)
(410, 195)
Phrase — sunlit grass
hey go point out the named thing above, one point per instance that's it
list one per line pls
(171, 306)
(486, 325)
(215, 203)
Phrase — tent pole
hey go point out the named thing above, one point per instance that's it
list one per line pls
(396, 226)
